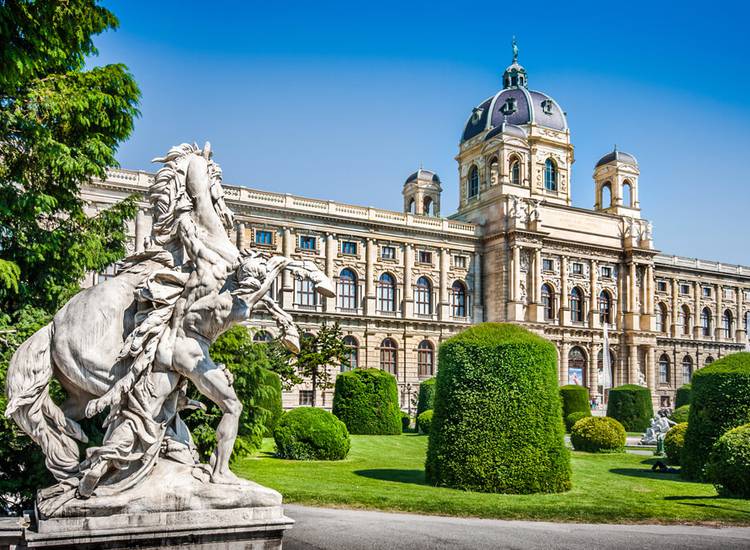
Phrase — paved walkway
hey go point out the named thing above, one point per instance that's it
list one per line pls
(332, 529)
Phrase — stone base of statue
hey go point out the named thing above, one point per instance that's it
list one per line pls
(173, 507)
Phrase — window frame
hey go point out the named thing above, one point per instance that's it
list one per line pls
(425, 359)
(423, 296)
(347, 291)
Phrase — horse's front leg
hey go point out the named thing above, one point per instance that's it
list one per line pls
(191, 359)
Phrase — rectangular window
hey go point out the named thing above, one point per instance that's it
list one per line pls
(424, 257)
(306, 295)
(577, 268)
(388, 252)
(606, 272)
(684, 289)
(306, 398)
(747, 295)
(548, 265)
(306, 242)
(349, 248)
(263, 237)
(728, 294)
(661, 286)
(459, 261)
(706, 291)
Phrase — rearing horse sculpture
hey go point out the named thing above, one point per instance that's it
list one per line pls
(132, 342)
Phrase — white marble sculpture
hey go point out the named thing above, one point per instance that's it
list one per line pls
(133, 342)
(660, 425)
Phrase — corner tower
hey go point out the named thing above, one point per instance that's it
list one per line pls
(422, 193)
(616, 184)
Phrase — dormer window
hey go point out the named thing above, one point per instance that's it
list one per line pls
(476, 115)
(547, 106)
(509, 107)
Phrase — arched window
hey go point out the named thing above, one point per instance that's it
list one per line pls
(605, 307)
(605, 200)
(709, 360)
(427, 206)
(423, 296)
(473, 182)
(262, 336)
(747, 323)
(706, 321)
(548, 302)
(387, 293)
(306, 295)
(726, 324)
(550, 175)
(425, 358)
(576, 305)
(352, 346)
(687, 369)
(347, 290)
(661, 317)
(664, 369)
(458, 299)
(494, 171)
(412, 207)
(389, 356)
(683, 320)
(627, 194)
(515, 171)
(576, 367)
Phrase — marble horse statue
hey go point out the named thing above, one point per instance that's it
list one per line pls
(132, 343)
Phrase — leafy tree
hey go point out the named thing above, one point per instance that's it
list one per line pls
(281, 362)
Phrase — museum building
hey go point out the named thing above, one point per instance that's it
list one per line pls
(515, 251)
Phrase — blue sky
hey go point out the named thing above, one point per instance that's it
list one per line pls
(343, 100)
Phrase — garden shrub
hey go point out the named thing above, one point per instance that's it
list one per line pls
(309, 433)
(572, 418)
(366, 400)
(720, 401)
(683, 395)
(631, 405)
(680, 414)
(598, 434)
(728, 465)
(271, 400)
(575, 398)
(497, 421)
(426, 398)
(424, 421)
(674, 441)
(405, 421)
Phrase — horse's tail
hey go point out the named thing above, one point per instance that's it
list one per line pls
(30, 405)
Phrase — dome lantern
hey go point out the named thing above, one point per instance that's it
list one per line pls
(515, 75)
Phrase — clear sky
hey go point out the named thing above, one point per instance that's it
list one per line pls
(342, 101)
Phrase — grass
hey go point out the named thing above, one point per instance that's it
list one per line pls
(387, 473)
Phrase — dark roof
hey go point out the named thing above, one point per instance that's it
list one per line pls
(506, 129)
(423, 175)
(620, 156)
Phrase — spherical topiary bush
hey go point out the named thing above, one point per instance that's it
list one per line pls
(572, 418)
(405, 421)
(598, 434)
(720, 401)
(575, 398)
(683, 395)
(308, 433)
(728, 465)
(366, 400)
(674, 441)
(497, 422)
(424, 421)
(680, 414)
(631, 405)
(426, 398)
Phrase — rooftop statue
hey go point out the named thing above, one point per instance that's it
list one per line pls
(133, 342)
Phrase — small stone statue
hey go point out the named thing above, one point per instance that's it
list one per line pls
(660, 425)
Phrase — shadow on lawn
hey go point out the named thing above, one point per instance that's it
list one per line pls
(679, 498)
(414, 477)
(647, 473)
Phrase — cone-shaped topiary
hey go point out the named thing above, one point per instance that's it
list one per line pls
(497, 422)
(598, 434)
(424, 421)
(683, 395)
(271, 401)
(631, 405)
(674, 441)
(426, 398)
(720, 401)
(575, 398)
(308, 433)
(366, 400)
(728, 465)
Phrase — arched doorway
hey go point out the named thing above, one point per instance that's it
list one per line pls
(577, 366)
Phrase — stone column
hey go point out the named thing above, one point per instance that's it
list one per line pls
(740, 335)
(444, 303)
(287, 282)
(697, 334)
(718, 324)
(408, 310)
(241, 240)
(478, 294)
(536, 288)
(633, 364)
(633, 288)
(370, 252)
(331, 253)
(564, 295)
(140, 230)
(516, 265)
(564, 349)
(651, 369)
(594, 320)
(675, 308)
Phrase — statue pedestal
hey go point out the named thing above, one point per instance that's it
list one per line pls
(174, 506)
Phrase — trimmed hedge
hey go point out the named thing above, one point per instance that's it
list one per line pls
(720, 401)
(424, 421)
(683, 395)
(272, 401)
(497, 422)
(728, 465)
(680, 414)
(674, 442)
(405, 421)
(366, 400)
(631, 405)
(426, 399)
(598, 434)
(572, 418)
(575, 398)
(309, 433)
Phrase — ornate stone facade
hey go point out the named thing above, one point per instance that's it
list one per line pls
(515, 251)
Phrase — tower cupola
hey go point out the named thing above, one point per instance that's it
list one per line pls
(515, 75)
(422, 193)
(616, 184)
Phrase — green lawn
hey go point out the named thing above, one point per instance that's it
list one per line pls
(387, 473)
